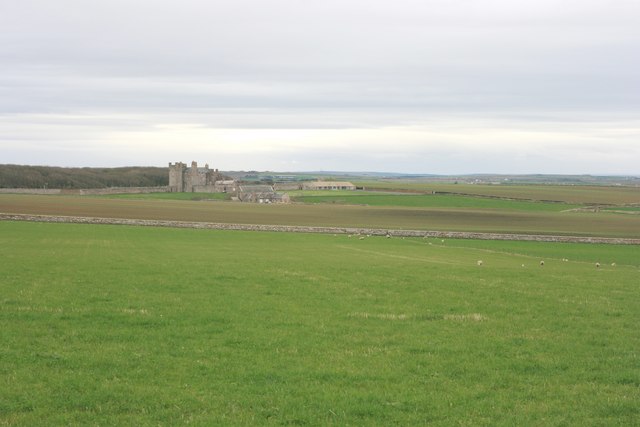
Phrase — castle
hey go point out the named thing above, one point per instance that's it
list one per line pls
(197, 180)
(205, 180)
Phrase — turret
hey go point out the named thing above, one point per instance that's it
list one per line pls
(176, 182)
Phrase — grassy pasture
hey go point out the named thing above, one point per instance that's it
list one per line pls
(624, 209)
(604, 224)
(572, 194)
(170, 196)
(426, 201)
(114, 325)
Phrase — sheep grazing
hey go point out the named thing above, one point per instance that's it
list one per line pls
(479, 263)
(597, 265)
(361, 238)
(388, 236)
(541, 263)
(613, 264)
(522, 265)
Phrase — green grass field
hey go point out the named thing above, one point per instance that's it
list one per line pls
(116, 325)
(573, 194)
(426, 201)
(170, 196)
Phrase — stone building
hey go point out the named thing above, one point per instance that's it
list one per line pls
(261, 194)
(204, 180)
(197, 180)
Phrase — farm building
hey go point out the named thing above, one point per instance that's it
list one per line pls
(261, 194)
(329, 185)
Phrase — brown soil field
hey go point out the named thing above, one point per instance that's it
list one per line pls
(489, 221)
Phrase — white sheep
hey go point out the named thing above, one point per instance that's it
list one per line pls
(479, 263)
(597, 265)
(541, 263)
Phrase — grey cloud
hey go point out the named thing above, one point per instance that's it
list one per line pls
(410, 54)
(101, 67)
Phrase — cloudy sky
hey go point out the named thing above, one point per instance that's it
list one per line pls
(416, 86)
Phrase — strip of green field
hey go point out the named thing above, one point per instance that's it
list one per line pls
(170, 196)
(115, 325)
(624, 208)
(332, 215)
(572, 194)
(427, 201)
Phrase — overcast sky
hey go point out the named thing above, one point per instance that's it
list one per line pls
(416, 86)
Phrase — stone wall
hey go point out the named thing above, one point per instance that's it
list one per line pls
(89, 191)
(30, 191)
(327, 230)
(122, 190)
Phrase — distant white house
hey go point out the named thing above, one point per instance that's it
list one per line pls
(329, 185)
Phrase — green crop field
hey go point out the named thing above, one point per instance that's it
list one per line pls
(575, 194)
(170, 196)
(117, 325)
(426, 201)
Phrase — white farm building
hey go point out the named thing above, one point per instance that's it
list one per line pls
(329, 185)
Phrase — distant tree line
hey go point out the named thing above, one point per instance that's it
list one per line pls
(18, 176)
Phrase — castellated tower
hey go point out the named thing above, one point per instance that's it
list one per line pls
(176, 177)
(193, 179)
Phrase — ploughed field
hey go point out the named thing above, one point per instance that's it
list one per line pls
(118, 325)
(356, 209)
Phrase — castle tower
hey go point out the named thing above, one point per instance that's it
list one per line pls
(176, 177)
(193, 179)
(185, 179)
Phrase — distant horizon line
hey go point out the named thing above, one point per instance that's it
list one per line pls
(364, 173)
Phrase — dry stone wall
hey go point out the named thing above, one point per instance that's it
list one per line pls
(327, 230)
(30, 191)
(123, 190)
(89, 191)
